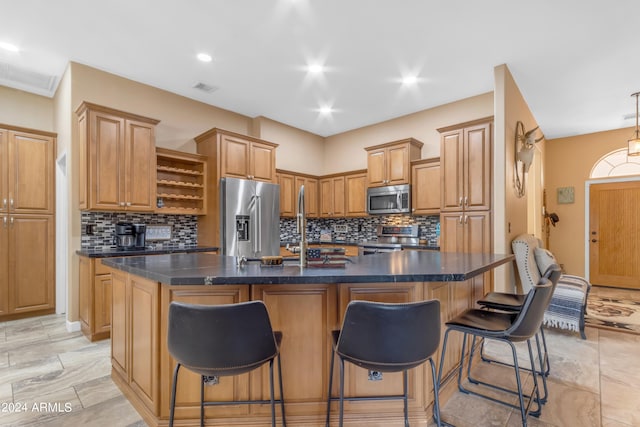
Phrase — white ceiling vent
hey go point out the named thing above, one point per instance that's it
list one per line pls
(22, 78)
(205, 87)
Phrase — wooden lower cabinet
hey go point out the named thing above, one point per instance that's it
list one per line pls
(306, 314)
(95, 298)
(27, 277)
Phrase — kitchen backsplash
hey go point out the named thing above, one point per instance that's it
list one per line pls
(359, 229)
(184, 228)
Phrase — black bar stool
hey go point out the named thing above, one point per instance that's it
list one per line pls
(513, 303)
(509, 328)
(387, 338)
(223, 340)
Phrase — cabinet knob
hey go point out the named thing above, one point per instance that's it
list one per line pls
(4, 203)
(128, 203)
(4, 221)
(11, 203)
(460, 202)
(466, 201)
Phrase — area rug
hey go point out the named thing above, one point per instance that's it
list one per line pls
(613, 313)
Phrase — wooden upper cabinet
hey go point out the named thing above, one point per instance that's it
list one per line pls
(465, 166)
(117, 160)
(246, 158)
(356, 194)
(425, 188)
(390, 163)
(288, 194)
(27, 178)
(332, 194)
(310, 195)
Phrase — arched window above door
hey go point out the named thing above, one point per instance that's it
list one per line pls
(616, 163)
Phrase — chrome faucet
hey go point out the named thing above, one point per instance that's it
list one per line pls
(301, 227)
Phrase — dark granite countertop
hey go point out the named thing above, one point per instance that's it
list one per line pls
(400, 266)
(166, 249)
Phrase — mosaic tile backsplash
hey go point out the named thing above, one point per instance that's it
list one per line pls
(360, 229)
(185, 227)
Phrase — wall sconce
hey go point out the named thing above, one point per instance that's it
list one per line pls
(634, 144)
(525, 143)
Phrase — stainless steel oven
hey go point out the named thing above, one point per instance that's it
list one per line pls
(390, 238)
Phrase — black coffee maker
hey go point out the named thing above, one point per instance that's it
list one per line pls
(130, 236)
(139, 236)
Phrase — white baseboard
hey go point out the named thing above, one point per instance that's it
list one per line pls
(73, 326)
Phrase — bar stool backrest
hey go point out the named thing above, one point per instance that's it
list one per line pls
(523, 248)
(220, 339)
(389, 337)
(530, 317)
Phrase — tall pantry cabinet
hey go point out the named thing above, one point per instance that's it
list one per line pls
(27, 222)
(465, 172)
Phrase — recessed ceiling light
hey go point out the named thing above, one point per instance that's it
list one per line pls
(315, 68)
(326, 110)
(204, 57)
(409, 80)
(10, 47)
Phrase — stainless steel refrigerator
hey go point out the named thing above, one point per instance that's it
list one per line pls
(250, 218)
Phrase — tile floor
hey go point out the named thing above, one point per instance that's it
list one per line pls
(61, 379)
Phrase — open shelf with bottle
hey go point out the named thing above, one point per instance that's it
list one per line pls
(181, 182)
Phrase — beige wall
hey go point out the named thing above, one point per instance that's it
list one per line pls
(344, 152)
(25, 109)
(568, 163)
(511, 213)
(298, 151)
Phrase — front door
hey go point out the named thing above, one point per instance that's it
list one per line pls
(614, 234)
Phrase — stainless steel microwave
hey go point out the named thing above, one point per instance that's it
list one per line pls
(391, 199)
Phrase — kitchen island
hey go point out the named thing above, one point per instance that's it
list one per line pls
(305, 304)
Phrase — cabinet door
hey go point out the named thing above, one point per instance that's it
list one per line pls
(355, 196)
(119, 323)
(288, 194)
(376, 168)
(262, 162)
(4, 264)
(326, 197)
(144, 350)
(4, 154)
(452, 232)
(425, 188)
(477, 229)
(85, 276)
(398, 165)
(107, 136)
(102, 303)
(477, 167)
(338, 196)
(139, 167)
(234, 154)
(31, 174)
(310, 194)
(31, 263)
(306, 315)
(451, 152)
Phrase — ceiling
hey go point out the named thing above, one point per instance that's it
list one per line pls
(576, 62)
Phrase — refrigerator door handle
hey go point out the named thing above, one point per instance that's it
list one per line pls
(257, 245)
